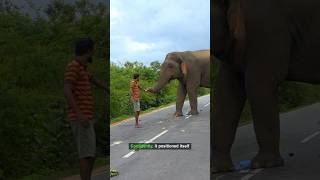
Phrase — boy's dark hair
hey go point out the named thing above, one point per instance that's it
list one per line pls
(83, 45)
(135, 75)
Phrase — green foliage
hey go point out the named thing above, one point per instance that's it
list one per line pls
(291, 95)
(34, 51)
(294, 94)
(121, 76)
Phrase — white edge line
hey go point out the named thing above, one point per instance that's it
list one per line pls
(253, 173)
(149, 141)
(219, 177)
(115, 143)
(310, 137)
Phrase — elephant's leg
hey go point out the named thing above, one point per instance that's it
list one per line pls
(181, 95)
(264, 104)
(262, 95)
(267, 67)
(193, 98)
(229, 99)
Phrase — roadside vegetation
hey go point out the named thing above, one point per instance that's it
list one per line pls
(121, 75)
(292, 95)
(35, 137)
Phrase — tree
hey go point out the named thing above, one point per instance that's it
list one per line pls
(7, 6)
(155, 65)
(59, 11)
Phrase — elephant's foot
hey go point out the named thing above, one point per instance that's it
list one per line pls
(265, 160)
(193, 112)
(178, 114)
(222, 166)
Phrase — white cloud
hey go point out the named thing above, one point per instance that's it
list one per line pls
(136, 46)
(147, 30)
(114, 15)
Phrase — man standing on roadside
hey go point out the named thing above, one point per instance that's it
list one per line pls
(78, 93)
(135, 97)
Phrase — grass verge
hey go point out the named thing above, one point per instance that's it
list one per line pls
(49, 174)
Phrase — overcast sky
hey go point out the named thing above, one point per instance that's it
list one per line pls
(146, 30)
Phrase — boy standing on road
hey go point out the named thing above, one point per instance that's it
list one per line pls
(78, 93)
(135, 97)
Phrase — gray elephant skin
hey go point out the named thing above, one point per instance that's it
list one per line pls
(260, 43)
(192, 70)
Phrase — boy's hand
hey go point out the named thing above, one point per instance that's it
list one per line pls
(83, 120)
(149, 90)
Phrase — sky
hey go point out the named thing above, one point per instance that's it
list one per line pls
(146, 30)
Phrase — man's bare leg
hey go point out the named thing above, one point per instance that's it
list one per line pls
(91, 163)
(137, 119)
(85, 168)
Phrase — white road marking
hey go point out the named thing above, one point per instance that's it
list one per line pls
(157, 136)
(159, 122)
(219, 177)
(188, 116)
(310, 137)
(129, 154)
(253, 173)
(182, 130)
(116, 143)
(244, 171)
(149, 141)
(206, 105)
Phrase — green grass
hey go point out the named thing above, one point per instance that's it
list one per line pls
(246, 117)
(49, 174)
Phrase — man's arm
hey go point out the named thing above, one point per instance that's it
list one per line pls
(72, 103)
(130, 91)
(70, 98)
(141, 88)
(98, 83)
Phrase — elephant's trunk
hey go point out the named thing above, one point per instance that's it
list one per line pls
(162, 82)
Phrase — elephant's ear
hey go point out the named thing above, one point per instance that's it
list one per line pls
(237, 21)
(184, 68)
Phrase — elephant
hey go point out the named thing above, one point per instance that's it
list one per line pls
(192, 70)
(259, 44)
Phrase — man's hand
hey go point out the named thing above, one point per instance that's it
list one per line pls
(99, 83)
(133, 99)
(83, 120)
(149, 90)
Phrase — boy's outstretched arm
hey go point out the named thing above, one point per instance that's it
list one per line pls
(98, 83)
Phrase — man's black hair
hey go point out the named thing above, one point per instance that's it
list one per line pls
(83, 45)
(135, 75)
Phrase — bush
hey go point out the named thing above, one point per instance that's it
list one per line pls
(34, 134)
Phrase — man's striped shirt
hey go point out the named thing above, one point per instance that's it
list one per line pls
(76, 73)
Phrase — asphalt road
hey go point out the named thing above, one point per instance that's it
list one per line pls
(162, 127)
(300, 147)
(102, 176)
